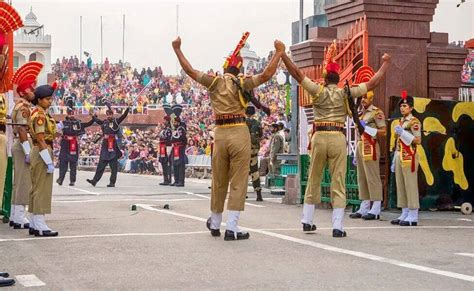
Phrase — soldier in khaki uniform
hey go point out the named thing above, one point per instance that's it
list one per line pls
(231, 154)
(405, 163)
(25, 80)
(328, 144)
(256, 133)
(277, 144)
(368, 159)
(43, 130)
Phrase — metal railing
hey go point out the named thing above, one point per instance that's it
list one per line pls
(88, 161)
(84, 110)
(466, 94)
(352, 52)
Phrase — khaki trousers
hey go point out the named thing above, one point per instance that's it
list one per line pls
(230, 164)
(368, 175)
(407, 184)
(328, 148)
(41, 184)
(3, 164)
(21, 175)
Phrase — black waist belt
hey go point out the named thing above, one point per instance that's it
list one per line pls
(329, 128)
(48, 142)
(235, 120)
(3, 128)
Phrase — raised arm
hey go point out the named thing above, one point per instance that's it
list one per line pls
(89, 123)
(377, 78)
(97, 120)
(293, 69)
(273, 65)
(124, 115)
(190, 71)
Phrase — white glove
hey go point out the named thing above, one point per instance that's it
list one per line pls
(26, 147)
(407, 137)
(60, 126)
(370, 131)
(46, 157)
(50, 169)
(392, 166)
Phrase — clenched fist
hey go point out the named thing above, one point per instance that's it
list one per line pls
(279, 46)
(176, 43)
(386, 57)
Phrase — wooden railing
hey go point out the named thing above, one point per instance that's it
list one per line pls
(352, 52)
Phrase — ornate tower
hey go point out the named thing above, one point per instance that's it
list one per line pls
(32, 44)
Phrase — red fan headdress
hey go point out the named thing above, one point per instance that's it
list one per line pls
(25, 76)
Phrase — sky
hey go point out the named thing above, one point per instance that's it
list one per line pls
(209, 29)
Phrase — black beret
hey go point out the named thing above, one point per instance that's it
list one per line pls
(406, 99)
(44, 91)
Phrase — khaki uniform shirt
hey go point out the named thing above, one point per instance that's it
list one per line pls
(373, 117)
(330, 102)
(42, 122)
(224, 93)
(21, 114)
(412, 125)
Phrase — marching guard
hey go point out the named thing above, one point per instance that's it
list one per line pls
(231, 153)
(256, 134)
(109, 151)
(43, 130)
(328, 143)
(368, 155)
(25, 80)
(72, 129)
(166, 147)
(9, 22)
(405, 163)
(179, 142)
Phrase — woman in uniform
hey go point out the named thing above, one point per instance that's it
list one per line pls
(43, 130)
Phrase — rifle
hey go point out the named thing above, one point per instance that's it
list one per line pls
(250, 97)
(353, 108)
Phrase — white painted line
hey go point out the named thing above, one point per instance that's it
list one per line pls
(197, 195)
(254, 205)
(378, 227)
(326, 247)
(101, 236)
(83, 190)
(127, 199)
(29, 281)
(464, 219)
(207, 197)
(465, 254)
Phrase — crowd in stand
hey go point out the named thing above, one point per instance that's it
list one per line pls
(92, 86)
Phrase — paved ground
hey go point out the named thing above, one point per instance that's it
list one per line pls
(105, 245)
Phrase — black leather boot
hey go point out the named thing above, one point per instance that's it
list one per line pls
(214, 232)
(230, 235)
(259, 196)
(92, 182)
(308, 227)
